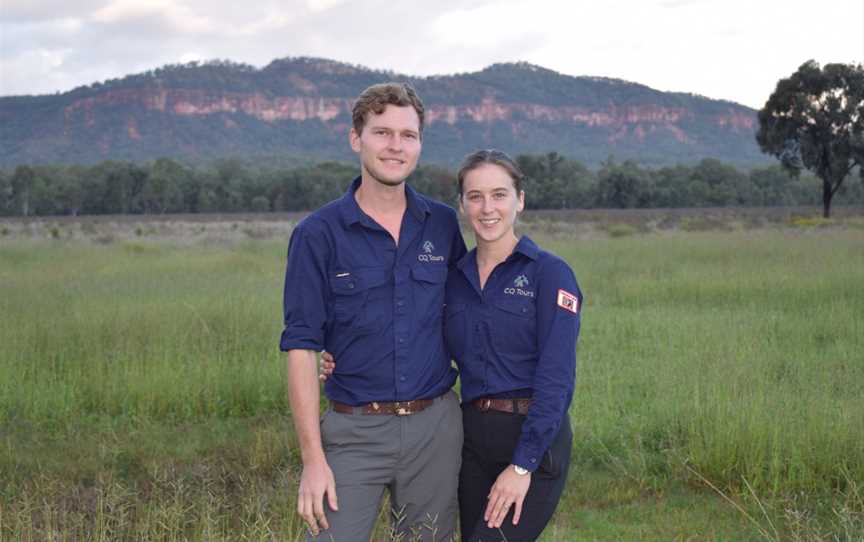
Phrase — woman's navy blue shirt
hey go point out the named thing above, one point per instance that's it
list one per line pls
(516, 337)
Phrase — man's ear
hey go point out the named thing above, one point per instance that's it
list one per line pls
(354, 140)
(521, 206)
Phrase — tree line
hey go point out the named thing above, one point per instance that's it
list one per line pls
(231, 185)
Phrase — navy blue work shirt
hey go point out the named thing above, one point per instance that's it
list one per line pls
(516, 337)
(377, 307)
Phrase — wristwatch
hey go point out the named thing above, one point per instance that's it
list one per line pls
(519, 470)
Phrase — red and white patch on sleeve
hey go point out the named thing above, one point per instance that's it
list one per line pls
(568, 301)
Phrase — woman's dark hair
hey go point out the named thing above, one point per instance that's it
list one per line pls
(490, 156)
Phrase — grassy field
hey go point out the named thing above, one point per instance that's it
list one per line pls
(720, 387)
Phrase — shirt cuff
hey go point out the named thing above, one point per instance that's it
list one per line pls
(526, 458)
(294, 338)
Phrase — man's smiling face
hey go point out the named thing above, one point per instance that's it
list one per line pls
(389, 145)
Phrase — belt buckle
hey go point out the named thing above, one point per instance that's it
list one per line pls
(403, 410)
(485, 405)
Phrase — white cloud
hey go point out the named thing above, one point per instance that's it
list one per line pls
(181, 18)
(483, 26)
(18, 73)
(736, 49)
(191, 57)
(122, 10)
(322, 5)
(270, 23)
(16, 11)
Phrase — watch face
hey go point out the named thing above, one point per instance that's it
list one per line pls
(519, 470)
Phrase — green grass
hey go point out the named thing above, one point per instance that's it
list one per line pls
(142, 392)
(741, 356)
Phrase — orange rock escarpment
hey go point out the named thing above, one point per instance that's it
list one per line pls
(640, 120)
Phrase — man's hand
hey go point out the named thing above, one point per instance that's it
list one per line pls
(328, 365)
(316, 480)
(509, 489)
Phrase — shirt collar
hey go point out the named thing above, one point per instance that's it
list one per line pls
(525, 246)
(418, 206)
(352, 213)
(468, 259)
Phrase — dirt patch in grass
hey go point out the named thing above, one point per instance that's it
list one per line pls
(226, 228)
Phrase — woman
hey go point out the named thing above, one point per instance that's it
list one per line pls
(511, 324)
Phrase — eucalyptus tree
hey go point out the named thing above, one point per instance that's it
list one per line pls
(815, 120)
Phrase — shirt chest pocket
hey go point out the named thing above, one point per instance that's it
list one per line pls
(360, 300)
(428, 289)
(515, 326)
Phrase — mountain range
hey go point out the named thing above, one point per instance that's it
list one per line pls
(301, 108)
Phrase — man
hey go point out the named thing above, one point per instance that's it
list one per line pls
(365, 281)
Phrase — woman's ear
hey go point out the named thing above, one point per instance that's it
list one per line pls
(521, 205)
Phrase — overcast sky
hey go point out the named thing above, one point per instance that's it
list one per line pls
(728, 49)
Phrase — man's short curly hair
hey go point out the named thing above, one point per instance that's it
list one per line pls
(377, 97)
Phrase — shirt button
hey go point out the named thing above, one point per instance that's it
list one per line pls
(400, 303)
(402, 379)
(533, 459)
(350, 285)
(524, 310)
(401, 340)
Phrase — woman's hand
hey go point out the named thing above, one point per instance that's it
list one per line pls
(328, 365)
(509, 489)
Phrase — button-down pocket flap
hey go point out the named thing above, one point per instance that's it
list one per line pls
(345, 283)
(429, 273)
(518, 307)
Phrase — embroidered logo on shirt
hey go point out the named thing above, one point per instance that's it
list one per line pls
(428, 247)
(568, 301)
(519, 283)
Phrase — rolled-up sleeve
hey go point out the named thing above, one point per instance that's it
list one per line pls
(304, 301)
(558, 323)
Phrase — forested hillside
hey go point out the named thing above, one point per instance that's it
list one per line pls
(299, 109)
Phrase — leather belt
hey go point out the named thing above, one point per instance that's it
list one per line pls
(517, 406)
(394, 408)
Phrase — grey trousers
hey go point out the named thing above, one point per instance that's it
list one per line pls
(416, 458)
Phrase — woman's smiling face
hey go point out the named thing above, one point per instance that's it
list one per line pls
(490, 202)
